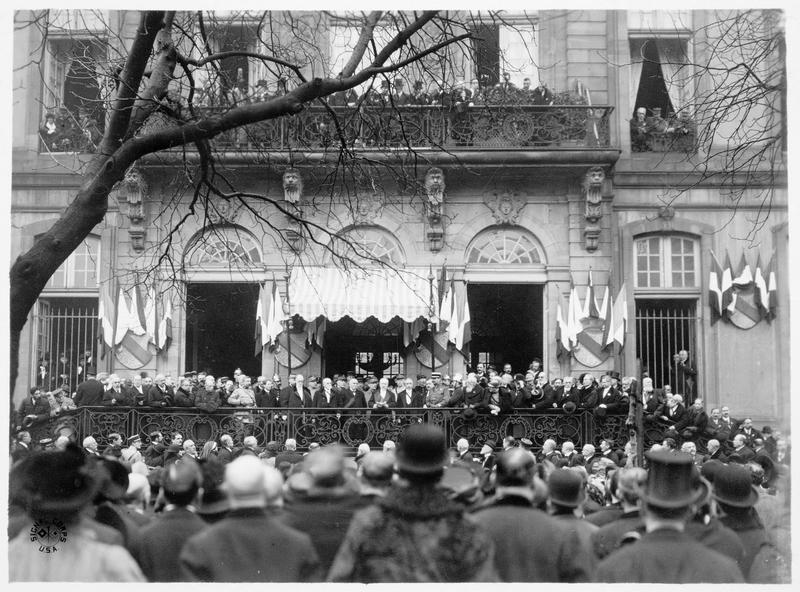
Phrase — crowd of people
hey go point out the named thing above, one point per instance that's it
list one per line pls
(414, 511)
(393, 92)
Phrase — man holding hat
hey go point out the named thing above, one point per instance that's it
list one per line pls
(257, 546)
(516, 526)
(415, 533)
(665, 553)
(163, 539)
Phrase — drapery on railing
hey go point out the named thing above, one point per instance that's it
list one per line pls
(506, 126)
(351, 427)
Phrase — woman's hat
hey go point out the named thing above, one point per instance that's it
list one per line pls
(56, 482)
(422, 450)
(672, 481)
(733, 486)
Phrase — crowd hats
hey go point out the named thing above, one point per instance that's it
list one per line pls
(566, 488)
(733, 486)
(134, 438)
(672, 481)
(57, 482)
(570, 407)
(422, 450)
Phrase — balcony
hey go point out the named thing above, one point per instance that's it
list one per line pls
(417, 127)
(349, 428)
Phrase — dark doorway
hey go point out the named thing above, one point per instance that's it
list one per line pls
(220, 328)
(370, 347)
(506, 324)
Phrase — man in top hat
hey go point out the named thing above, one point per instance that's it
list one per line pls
(258, 546)
(443, 545)
(163, 539)
(736, 497)
(665, 553)
(515, 524)
(56, 487)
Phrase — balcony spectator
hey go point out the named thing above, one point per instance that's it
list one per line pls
(418, 94)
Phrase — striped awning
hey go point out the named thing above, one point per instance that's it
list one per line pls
(381, 293)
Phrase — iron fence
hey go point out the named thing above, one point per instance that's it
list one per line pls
(348, 427)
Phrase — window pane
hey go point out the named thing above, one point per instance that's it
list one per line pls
(655, 280)
(677, 280)
(641, 280)
(689, 279)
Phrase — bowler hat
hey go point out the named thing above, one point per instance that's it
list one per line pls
(570, 407)
(671, 482)
(566, 488)
(733, 486)
(422, 450)
(57, 482)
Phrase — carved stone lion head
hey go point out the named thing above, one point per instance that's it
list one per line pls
(434, 185)
(292, 185)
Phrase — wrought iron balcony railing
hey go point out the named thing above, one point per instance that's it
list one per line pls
(350, 427)
(417, 127)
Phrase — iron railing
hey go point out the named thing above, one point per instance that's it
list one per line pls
(507, 126)
(349, 427)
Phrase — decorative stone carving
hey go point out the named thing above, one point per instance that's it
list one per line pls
(222, 211)
(367, 208)
(505, 206)
(593, 192)
(434, 235)
(434, 188)
(132, 190)
(666, 212)
(292, 186)
(137, 235)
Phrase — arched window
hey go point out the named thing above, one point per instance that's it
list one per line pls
(504, 246)
(226, 246)
(368, 245)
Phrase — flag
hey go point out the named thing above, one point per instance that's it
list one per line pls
(136, 324)
(590, 305)
(715, 289)
(446, 309)
(150, 325)
(744, 279)
(106, 312)
(602, 312)
(464, 334)
(771, 299)
(619, 314)
(608, 321)
(563, 346)
(315, 331)
(411, 331)
(760, 293)
(573, 314)
(123, 314)
(165, 324)
(262, 310)
(274, 326)
(726, 286)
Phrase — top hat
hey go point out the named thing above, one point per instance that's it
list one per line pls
(422, 450)
(733, 486)
(671, 480)
(57, 482)
(614, 374)
(566, 488)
